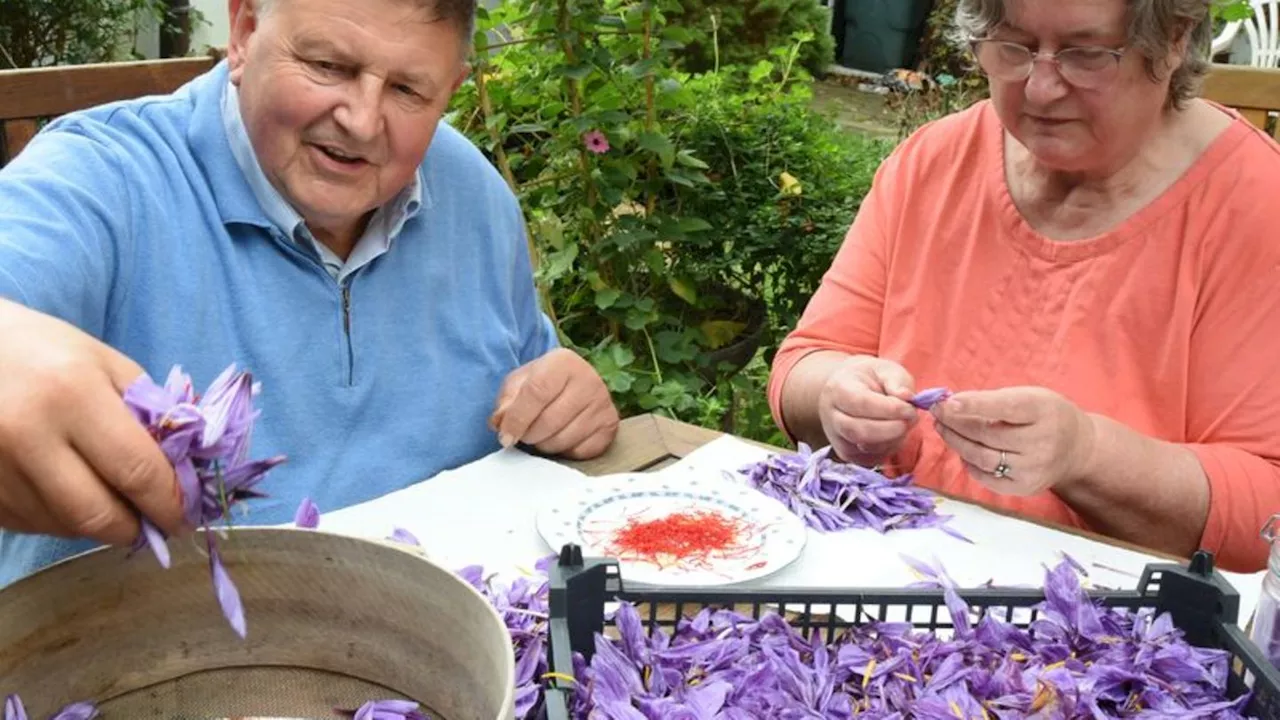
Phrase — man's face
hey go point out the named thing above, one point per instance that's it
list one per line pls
(341, 99)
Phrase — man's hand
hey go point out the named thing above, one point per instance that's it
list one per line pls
(1043, 438)
(74, 461)
(557, 404)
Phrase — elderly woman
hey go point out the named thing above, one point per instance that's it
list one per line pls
(1090, 260)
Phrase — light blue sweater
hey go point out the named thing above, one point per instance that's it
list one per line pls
(134, 222)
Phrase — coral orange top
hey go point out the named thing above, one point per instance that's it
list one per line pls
(1170, 323)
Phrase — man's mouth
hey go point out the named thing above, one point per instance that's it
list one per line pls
(339, 155)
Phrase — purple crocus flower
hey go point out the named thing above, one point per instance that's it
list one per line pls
(926, 399)
(386, 710)
(307, 515)
(829, 495)
(207, 439)
(14, 709)
(401, 535)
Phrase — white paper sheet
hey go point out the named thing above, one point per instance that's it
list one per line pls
(1006, 550)
(483, 513)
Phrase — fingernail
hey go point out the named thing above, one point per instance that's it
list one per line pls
(505, 440)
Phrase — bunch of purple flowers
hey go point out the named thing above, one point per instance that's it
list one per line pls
(206, 438)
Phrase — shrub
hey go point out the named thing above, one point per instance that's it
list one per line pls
(740, 33)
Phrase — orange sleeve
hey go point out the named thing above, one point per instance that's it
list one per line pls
(845, 312)
(1233, 403)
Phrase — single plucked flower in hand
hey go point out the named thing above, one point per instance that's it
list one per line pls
(596, 142)
(926, 399)
(206, 438)
(308, 515)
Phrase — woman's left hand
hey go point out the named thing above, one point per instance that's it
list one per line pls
(1017, 440)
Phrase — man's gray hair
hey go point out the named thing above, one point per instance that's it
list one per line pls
(1155, 27)
(461, 14)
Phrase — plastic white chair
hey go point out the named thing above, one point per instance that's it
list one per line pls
(1262, 32)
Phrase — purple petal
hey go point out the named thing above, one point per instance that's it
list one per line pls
(308, 515)
(155, 540)
(225, 590)
(13, 708)
(926, 399)
(401, 535)
(76, 711)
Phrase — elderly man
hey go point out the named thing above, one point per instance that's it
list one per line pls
(298, 210)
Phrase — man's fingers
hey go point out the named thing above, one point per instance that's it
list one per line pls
(81, 505)
(21, 509)
(585, 421)
(121, 452)
(537, 391)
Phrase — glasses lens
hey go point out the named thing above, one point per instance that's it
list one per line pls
(1003, 60)
(1088, 67)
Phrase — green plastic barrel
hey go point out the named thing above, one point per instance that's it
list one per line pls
(882, 35)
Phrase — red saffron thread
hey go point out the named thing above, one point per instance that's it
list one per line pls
(681, 538)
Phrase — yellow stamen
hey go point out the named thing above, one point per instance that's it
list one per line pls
(866, 674)
(956, 709)
(904, 676)
(559, 676)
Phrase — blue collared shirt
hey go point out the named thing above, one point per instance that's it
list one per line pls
(135, 223)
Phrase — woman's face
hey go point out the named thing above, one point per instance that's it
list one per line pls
(1089, 111)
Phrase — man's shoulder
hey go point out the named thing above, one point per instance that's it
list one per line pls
(127, 130)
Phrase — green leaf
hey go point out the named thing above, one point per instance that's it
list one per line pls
(643, 68)
(674, 347)
(687, 178)
(497, 121)
(637, 319)
(606, 297)
(721, 332)
(760, 71)
(694, 224)
(678, 33)
(684, 288)
(659, 145)
(577, 72)
(559, 263)
(528, 128)
(686, 158)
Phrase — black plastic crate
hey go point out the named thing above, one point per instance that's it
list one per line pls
(1199, 600)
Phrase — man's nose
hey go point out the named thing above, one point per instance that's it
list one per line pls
(360, 114)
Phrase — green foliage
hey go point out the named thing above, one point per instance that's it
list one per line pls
(675, 259)
(1228, 10)
(57, 32)
(740, 32)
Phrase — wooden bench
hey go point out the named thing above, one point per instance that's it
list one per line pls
(1253, 92)
(31, 96)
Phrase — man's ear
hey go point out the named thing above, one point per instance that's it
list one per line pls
(463, 72)
(244, 21)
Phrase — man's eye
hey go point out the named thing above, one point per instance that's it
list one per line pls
(325, 65)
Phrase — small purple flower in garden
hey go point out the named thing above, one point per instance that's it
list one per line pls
(596, 142)
(308, 515)
(206, 438)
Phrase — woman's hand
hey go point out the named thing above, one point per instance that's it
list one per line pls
(1018, 440)
(864, 408)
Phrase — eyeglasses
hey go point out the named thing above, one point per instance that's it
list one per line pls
(1089, 68)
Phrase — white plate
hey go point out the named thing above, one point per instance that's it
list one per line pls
(771, 537)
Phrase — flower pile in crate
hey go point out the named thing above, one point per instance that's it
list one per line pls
(1078, 660)
(206, 437)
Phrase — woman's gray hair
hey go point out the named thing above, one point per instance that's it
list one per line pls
(1155, 27)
